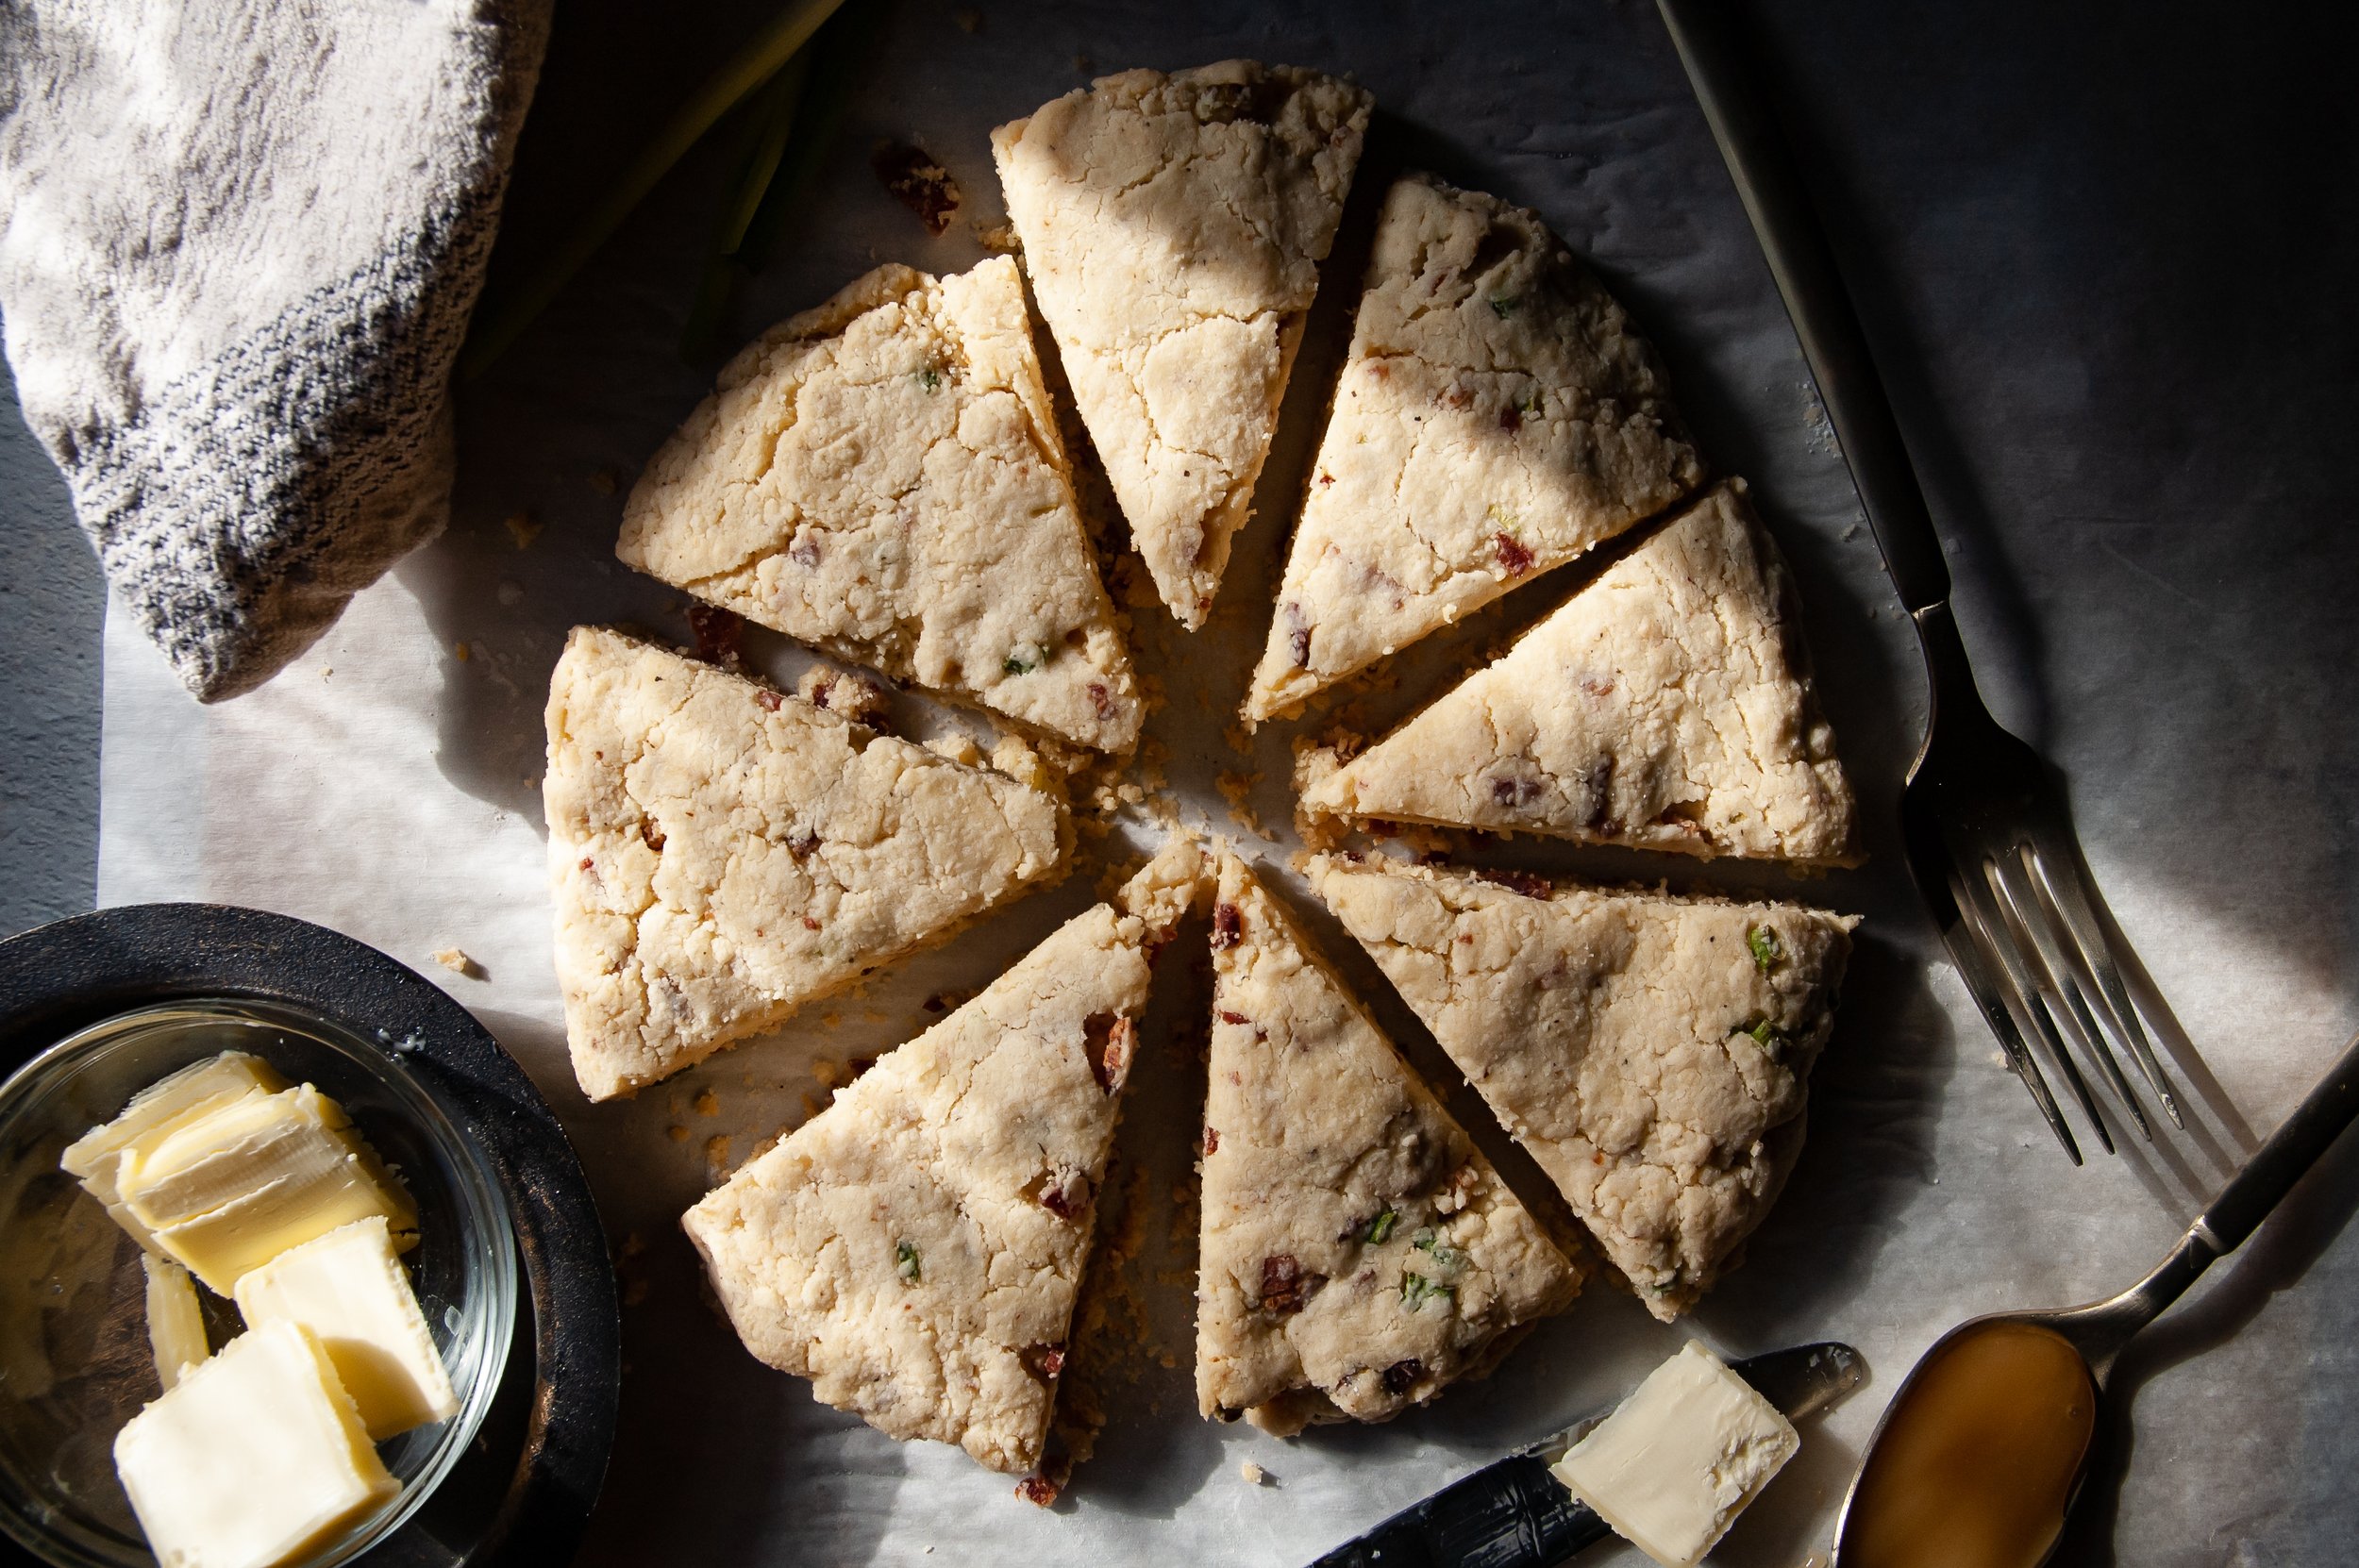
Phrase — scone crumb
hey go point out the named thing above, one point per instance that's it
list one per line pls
(708, 1103)
(677, 1133)
(917, 180)
(523, 528)
(850, 693)
(1254, 1474)
(1237, 789)
(458, 962)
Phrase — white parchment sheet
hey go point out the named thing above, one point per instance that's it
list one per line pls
(387, 786)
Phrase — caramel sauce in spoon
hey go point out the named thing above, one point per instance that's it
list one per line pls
(1976, 1465)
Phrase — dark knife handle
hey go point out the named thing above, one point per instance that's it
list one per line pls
(1512, 1515)
(1707, 36)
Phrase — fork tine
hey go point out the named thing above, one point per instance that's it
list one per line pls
(2062, 994)
(1966, 943)
(2070, 900)
(1999, 943)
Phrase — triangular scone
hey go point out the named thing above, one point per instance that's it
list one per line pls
(1358, 1252)
(1498, 415)
(1668, 704)
(1173, 227)
(913, 1249)
(1652, 1052)
(721, 853)
(883, 476)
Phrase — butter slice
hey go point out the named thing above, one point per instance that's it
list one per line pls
(175, 1325)
(349, 1289)
(1674, 1465)
(94, 1158)
(229, 1190)
(256, 1457)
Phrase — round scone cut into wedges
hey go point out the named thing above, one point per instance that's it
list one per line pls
(1653, 1052)
(721, 853)
(914, 1249)
(1498, 414)
(883, 476)
(1173, 227)
(1358, 1252)
(1668, 704)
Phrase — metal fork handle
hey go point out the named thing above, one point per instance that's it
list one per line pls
(1708, 38)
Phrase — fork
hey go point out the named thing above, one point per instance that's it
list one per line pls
(1990, 841)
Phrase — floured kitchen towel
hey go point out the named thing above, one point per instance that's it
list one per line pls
(239, 244)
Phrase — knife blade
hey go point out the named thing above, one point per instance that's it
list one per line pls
(1515, 1514)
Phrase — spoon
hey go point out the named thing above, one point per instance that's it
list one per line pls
(1980, 1457)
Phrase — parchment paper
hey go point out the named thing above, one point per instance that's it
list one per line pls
(387, 786)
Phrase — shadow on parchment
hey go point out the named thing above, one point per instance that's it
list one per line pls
(2293, 1240)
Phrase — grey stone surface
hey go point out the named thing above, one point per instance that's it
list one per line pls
(52, 604)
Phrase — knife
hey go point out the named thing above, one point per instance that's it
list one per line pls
(1515, 1514)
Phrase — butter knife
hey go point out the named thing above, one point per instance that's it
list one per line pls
(1515, 1514)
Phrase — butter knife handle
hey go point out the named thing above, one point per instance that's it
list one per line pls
(1512, 1515)
(1706, 35)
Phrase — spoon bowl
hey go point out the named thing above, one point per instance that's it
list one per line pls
(1985, 1445)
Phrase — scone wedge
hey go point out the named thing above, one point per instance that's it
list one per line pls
(883, 476)
(1652, 1052)
(1667, 705)
(1498, 415)
(721, 853)
(1173, 227)
(1358, 1251)
(915, 1248)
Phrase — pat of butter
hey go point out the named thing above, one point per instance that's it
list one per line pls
(349, 1289)
(95, 1157)
(1674, 1465)
(227, 1191)
(258, 1457)
(175, 1325)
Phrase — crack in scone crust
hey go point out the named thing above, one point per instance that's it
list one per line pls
(1498, 415)
(1652, 1052)
(1358, 1252)
(883, 476)
(1173, 227)
(721, 853)
(914, 1249)
(1667, 706)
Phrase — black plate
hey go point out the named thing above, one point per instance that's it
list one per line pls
(522, 1494)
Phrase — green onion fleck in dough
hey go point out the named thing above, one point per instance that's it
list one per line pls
(905, 1261)
(1382, 1225)
(1764, 942)
(1417, 1289)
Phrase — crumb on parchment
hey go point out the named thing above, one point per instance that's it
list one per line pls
(458, 962)
(917, 180)
(1252, 1474)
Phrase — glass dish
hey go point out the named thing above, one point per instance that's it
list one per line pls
(74, 1364)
